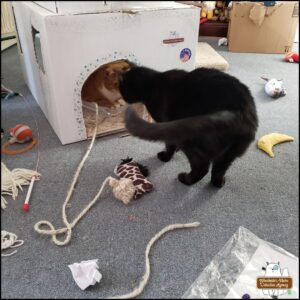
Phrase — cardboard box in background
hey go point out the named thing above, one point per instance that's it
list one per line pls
(256, 28)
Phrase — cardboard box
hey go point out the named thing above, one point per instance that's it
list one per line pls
(254, 27)
(78, 7)
(61, 44)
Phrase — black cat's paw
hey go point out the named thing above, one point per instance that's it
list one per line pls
(218, 182)
(164, 156)
(185, 178)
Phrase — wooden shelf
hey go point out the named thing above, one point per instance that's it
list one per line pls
(214, 28)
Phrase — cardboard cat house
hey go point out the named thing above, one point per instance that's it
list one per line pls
(62, 43)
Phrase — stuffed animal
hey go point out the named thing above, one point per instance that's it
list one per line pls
(207, 9)
(221, 11)
(137, 173)
(292, 57)
(274, 87)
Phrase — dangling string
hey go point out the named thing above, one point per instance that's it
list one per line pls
(37, 130)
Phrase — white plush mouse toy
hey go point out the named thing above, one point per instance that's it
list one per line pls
(274, 87)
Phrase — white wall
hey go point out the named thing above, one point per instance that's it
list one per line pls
(296, 40)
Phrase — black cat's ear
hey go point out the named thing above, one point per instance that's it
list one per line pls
(131, 65)
(120, 75)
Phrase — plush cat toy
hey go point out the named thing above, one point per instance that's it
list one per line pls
(274, 87)
(137, 173)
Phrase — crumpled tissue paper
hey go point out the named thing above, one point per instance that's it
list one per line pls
(86, 273)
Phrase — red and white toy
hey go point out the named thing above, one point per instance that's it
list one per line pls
(20, 134)
(292, 57)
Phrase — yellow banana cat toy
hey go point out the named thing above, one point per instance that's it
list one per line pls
(267, 142)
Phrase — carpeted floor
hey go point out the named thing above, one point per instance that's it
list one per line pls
(260, 194)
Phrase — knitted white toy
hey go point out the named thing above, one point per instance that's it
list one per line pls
(274, 87)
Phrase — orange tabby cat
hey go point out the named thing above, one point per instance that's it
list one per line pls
(102, 86)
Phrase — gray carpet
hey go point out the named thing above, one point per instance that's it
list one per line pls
(260, 194)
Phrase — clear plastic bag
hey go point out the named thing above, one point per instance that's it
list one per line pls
(233, 272)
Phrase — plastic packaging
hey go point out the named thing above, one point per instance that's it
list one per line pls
(233, 272)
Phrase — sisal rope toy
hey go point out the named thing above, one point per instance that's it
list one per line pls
(137, 173)
(123, 190)
(19, 134)
(139, 289)
(9, 240)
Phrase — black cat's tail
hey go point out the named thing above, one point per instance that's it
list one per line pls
(220, 123)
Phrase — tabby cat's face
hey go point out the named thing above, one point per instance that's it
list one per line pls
(112, 73)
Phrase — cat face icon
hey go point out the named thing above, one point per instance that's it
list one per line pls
(272, 270)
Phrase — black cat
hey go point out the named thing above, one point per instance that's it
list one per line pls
(207, 114)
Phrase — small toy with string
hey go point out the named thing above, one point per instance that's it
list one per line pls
(26, 203)
(7, 93)
(19, 134)
(16, 178)
(13, 180)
